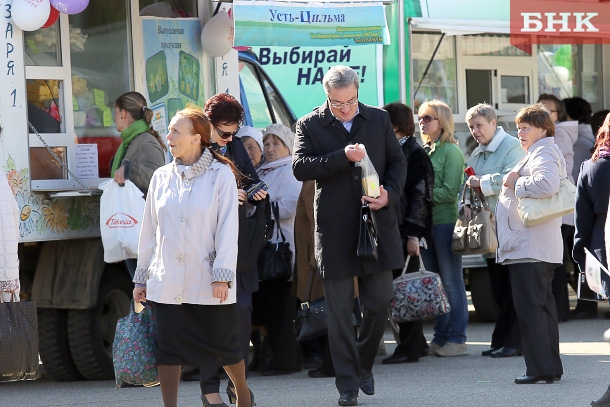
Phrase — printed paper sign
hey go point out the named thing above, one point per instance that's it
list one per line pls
(86, 161)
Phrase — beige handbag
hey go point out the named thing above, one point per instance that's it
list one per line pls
(535, 211)
(477, 236)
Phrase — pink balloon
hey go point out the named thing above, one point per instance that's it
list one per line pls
(70, 6)
(52, 18)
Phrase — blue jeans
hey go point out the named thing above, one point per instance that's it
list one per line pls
(439, 258)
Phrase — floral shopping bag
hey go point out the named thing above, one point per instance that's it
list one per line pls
(418, 295)
(133, 349)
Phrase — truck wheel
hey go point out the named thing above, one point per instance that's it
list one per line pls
(482, 295)
(53, 345)
(91, 332)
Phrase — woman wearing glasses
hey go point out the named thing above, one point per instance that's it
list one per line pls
(436, 126)
(566, 134)
(226, 115)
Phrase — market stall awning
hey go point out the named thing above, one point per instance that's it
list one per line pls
(461, 26)
(460, 17)
(303, 23)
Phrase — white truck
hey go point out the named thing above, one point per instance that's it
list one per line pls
(57, 135)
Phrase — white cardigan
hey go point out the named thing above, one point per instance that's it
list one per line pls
(189, 235)
(9, 239)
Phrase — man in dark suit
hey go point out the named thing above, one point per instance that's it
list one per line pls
(328, 144)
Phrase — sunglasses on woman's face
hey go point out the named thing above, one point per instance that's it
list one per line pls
(226, 134)
(426, 118)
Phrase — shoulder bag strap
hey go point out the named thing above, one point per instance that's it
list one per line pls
(309, 284)
(562, 169)
(276, 215)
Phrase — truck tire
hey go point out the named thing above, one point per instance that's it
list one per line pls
(53, 345)
(91, 332)
(482, 294)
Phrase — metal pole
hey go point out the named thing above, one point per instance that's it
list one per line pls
(429, 63)
(402, 59)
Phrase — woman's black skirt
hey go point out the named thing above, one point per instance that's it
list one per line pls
(196, 335)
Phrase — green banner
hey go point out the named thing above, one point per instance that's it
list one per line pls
(298, 72)
(265, 23)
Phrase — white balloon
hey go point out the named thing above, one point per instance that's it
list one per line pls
(217, 35)
(30, 15)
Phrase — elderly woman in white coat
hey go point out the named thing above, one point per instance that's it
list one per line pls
(274, 305)
(187, 259)
(9, 224)
(532, 253)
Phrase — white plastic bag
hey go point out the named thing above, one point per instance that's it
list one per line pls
(121, 211)
(370, 178)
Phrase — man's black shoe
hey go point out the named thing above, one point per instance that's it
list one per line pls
(489, 351)
(574, 314)
(317, 373)
(367, 382)
(506, 352)
(535, 379)
(348, 398)
(394, 360)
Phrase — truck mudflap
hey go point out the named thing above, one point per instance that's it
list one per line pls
(68, 274)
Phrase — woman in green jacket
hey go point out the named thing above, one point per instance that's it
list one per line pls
(436, 126)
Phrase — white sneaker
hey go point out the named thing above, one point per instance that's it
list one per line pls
(606, 335)
(452, 349)
(433, 348)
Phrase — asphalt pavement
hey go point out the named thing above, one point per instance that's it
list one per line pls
(469, 381)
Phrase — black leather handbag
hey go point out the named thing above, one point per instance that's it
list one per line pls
(275, 259)
(311, 321)
(367, 237)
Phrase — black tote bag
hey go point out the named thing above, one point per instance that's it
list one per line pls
(275, 259)
(254, 231)
(18, 340)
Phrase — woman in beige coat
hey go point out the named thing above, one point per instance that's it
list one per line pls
(532, 253)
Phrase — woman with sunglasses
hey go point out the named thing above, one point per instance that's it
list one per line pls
(226, 115)
(436, 126)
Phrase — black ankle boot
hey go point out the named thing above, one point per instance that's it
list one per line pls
(255, 365)
(603, 401)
